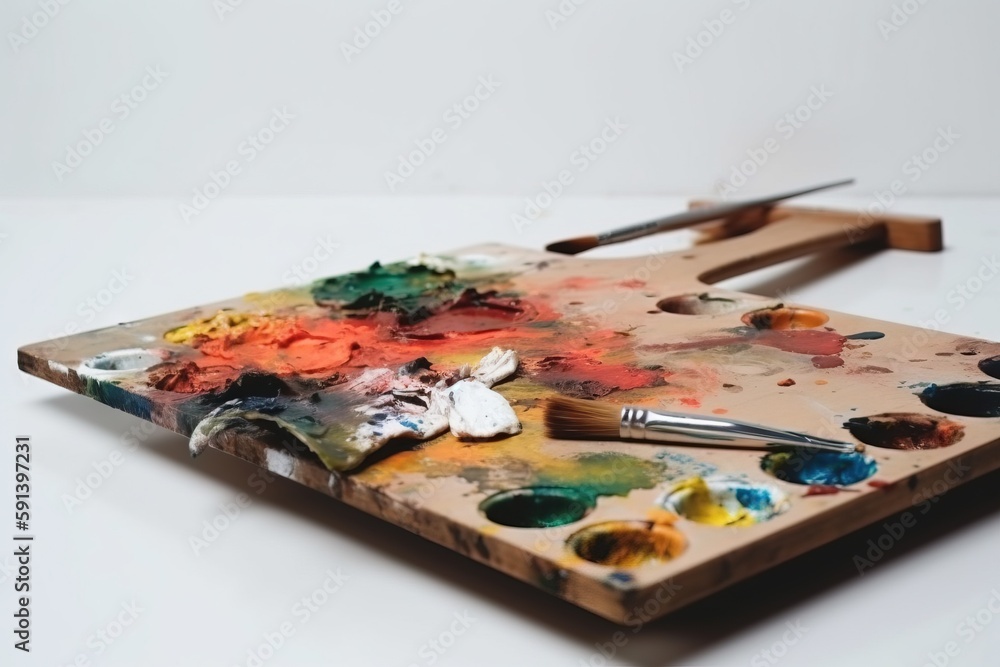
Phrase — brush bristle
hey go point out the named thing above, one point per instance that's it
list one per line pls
(574, 419)
(573, 246)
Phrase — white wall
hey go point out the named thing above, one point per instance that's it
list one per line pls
(686, 126)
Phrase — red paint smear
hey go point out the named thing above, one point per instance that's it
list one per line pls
(691, 402)
(880, 484)
(830, 361)
(805, 341)
(822, 490)
(586, 372)
(633, 283)
(321, 347)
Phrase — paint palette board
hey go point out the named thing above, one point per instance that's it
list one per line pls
(310, 381)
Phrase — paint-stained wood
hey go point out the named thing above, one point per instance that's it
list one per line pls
(629, 531)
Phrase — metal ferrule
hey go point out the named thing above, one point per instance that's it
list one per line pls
(653, 425)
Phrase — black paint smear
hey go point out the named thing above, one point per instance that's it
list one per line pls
(866, 335)
(254, 383)
(969, 399)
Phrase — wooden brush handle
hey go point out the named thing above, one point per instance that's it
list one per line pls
(783, 233)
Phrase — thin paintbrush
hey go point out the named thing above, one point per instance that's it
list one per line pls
(574, 419)
(678, 221)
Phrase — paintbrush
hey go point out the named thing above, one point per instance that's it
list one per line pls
(679, 221)
(575, 419)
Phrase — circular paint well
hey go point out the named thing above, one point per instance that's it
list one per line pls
(990, 366)
(819, 468)
(783, 318)
(698, 304)
(725, 501)
(537, 506)
(905, 430)
(119, 361)
(627, 543)
(969, 399)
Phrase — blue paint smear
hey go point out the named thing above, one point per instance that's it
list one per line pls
(116, 397)
(754, 498)
(621, 578)
(827, 468)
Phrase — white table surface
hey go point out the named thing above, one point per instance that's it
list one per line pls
(129, 542)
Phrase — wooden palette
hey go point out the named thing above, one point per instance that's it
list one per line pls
(629, 531)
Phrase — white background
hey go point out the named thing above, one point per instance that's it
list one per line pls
(322, 181)
(687, 126)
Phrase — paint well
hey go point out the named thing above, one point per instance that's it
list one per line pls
(819, 468)
(991, 366)
(698, 304)
(968, 399)
(905, 430)
(725, 501)
(123, 361)
(627, 543)
(537, 507)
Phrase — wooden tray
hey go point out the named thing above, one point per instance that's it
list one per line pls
(629, 531)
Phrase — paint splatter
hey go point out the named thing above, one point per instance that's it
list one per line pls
(817, 467)
(905, 430)
(968, 399)
(537, 507)
(781, 318)
(627, 543)
(725, 501)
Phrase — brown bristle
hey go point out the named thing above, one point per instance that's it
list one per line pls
(574, 419)
(573, 246)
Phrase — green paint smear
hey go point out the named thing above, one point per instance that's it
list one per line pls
(606, 474)
(413, 291)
